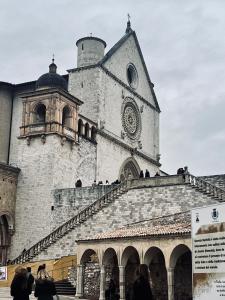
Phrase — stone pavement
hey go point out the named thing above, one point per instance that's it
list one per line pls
(5, 295)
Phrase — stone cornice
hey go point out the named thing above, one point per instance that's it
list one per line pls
(52, 91)
(133, 151)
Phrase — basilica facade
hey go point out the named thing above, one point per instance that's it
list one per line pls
(99, 123)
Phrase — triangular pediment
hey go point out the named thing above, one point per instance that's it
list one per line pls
(117, 60)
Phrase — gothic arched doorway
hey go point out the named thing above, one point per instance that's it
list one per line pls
(129, 169)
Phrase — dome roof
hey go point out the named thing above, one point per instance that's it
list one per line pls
(51, 79)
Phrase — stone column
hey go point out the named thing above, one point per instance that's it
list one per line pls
(122, 282)
(102, 283)
(170, 276)
(80, 282)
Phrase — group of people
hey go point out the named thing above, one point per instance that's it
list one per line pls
(24, 283)
(139, 290)
(183, 171)
(100, 183)
(147, 174)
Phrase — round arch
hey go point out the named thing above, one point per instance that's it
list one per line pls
(155, 260)
(6, 223)
(39, 112)
(9, 218)
(91, 274)
(89, 255)
(181, 264)
(176, 253)
(108, 255)
(130, 259)
(110, 261)
(129, 169)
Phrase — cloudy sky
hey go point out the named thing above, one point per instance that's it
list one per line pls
(183, 44)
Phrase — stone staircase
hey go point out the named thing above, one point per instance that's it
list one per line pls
(196, 183)
(65, 228)
(64, 287)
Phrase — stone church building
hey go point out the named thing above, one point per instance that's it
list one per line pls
(98, 123)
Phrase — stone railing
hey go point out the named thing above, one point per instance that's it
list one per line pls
(62, 230)
(205, 187)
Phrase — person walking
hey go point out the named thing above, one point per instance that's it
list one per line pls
(141, 288)
(19, 287)
(44, 287)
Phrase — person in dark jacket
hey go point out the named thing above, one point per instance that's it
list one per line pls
(30, 280)
(141, 288)
(44, 287)
(19, 286)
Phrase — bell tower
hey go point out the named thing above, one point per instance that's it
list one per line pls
(50, 109)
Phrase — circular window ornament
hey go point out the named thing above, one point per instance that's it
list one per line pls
(132, 76)
(131, 118)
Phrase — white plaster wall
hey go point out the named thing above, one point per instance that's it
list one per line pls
(117, 64)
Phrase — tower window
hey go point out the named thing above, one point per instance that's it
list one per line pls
(40, 113)
(82, 46)
(66, 117)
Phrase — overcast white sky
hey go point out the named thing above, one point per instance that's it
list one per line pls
(184, 48)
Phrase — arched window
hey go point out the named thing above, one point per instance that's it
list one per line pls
(93, 133)
(40, 113)
(80, 127)
(86, 130)
(66, 117)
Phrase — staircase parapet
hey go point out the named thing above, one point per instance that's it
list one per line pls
(205, 187)
(156, 181)
(72, 223)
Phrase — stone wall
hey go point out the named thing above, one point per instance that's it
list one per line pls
(44, 167)
(68, 202)
(136, 205)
